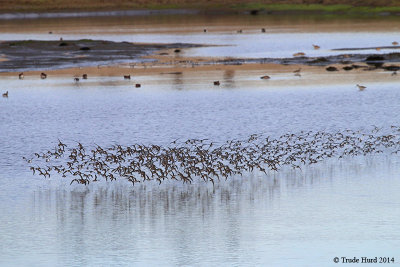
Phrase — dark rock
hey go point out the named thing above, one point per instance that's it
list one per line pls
(347, 68)
(63, 44)
(331, 68)
(375, 60)
(254, 12)
(392, 68)
(84, 48)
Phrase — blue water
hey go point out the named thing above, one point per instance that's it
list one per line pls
(336, 208)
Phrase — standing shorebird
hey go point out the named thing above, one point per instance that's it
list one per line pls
(395, 43)
(21, 75)
(5, 94)
(361, 87)
(299, 54)
(43, 75)
(316, 46)
(76, 80)
(217, 83)
(266, 77)
(263, 30)
(84, 76)
(127, 77)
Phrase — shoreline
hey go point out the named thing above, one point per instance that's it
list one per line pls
(46, 9)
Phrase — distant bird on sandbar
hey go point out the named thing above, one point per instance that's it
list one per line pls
(316, 46)
(297, 71)
(76, 79)
(5, 94)
(217, 83)
(43, 75)
(84, 76)
(205, 30)
(263, 30)
(266, 77)
(394, 73)
(138, 85)
(395, 43)
(361, 87)
(299, 54)
(21, 75)
(127, 77)
(240, 31)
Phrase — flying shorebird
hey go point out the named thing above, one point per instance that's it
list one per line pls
(361, 87)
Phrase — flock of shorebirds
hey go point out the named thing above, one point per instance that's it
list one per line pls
(200, 159)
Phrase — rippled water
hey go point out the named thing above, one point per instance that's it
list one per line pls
(291, 218)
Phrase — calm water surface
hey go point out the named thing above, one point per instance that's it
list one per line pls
(290, 218)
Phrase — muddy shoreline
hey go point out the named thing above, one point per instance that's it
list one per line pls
(35, 55)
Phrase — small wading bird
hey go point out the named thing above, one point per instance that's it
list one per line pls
(43, 75)
(299, 54)
(216, 83)
(316, 46)
(76, 80)
(84, 76)
(361, 87)
(395, 43)
(266, 77)
(205, 30)
(5, 94)
(137, 85)
(240, 31)
(127, 77)
(263, 30)
(21, 75)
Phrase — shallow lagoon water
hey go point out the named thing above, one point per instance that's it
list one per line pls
(290, 218)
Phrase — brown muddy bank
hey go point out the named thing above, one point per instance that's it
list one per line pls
(35, 55)
(38, 55)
